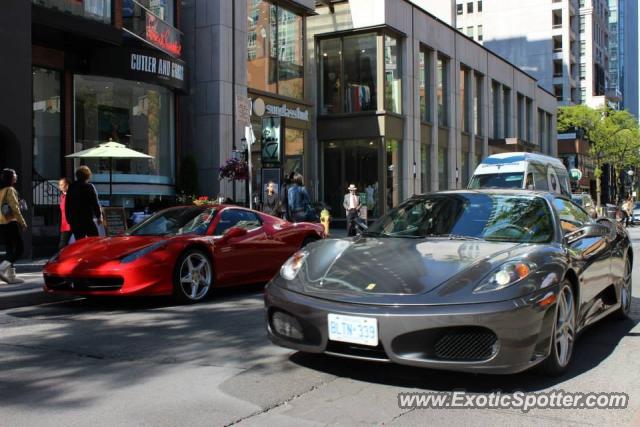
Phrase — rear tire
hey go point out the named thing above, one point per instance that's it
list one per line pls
(624, 312)
(563, 333)
(193, 276)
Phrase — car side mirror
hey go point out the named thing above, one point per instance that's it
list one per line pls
(234, 232)
(591, 230)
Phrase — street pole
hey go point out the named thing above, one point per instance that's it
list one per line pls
(248, 130)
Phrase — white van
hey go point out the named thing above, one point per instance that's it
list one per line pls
(529, 171)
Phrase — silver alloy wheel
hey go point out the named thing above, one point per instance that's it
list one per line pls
(625, 290)
(564, 334)
(195, 276)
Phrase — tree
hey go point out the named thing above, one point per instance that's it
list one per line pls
(608, 131)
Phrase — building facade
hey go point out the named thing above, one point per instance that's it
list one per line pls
(379, 93)
(623, 54)
(99, 70)
(562, 43)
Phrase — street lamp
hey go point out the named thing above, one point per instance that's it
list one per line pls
(630, 173)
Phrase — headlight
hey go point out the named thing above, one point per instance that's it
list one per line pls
(290, 268)
(508, 274)
(142, 252)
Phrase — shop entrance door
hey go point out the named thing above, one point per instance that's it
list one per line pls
(355, 162)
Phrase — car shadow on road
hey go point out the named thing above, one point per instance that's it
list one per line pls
(593, 346)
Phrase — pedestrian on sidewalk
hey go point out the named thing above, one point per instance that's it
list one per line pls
(82, 206)
(271, 204)
(299, 202)
(351, 205)
(284, 198)
(627, 209)
(11, 224)
(65, 228)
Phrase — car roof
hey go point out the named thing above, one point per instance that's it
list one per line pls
(502, 191)
(502, 158)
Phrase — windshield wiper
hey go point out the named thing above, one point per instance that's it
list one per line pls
(455, 236)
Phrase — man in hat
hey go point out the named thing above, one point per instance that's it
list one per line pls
(351, 205)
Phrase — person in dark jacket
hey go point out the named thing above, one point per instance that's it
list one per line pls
(271, 204)
(298, 200)
(284, 198)
(82, 205)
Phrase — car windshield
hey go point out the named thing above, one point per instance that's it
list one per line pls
(492, 217)
(497, 180)
(175, 221)
(577, 199)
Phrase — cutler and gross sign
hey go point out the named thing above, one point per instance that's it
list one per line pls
(140, 65)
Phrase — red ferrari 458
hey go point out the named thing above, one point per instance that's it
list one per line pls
(183, 251)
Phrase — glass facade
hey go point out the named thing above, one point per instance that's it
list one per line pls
(393, 149)
(443, 168)
(47, 123)
(425, 167)
(136, 114)
(275, 49)
(392, 76)
(330, 76)
(442, 90)
(424, 69)
(97, 10)
(360, 73)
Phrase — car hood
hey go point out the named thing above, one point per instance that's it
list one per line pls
(396, 270)
(102, 249)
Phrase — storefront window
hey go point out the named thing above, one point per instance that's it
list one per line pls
(139, 115)
(393, 86)
(330, 74)
(394, 172)
(47, 138)
(443, 168)
(294, 151)
(442, 90)
(425, 167)
(275, 49)
(360, 73)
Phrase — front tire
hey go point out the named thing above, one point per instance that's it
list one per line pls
(193, 276)
(624, 312)
(563, 334)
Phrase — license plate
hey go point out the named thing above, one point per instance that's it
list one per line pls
(352, 329)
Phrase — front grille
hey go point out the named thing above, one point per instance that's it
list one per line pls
(84, 284)
(466, 344)
(357, 350)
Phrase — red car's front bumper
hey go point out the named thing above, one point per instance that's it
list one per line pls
(149, 275)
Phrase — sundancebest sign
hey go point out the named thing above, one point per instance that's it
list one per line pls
(284, 111)
(140, 65)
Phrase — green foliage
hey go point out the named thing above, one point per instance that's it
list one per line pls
(613, 135)
(188, 178)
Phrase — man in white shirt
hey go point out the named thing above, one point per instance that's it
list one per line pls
(351, 205)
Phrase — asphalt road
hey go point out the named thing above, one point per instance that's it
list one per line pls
(150, 362)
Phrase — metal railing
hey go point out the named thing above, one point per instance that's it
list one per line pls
(46, 200)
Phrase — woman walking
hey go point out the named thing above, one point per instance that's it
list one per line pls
(65, 228)
(11, 224)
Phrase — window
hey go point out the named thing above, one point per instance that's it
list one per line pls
(425, 84)
(47, 123)
(465, 98)
(583, 71)
(581, 3)
(393, 79)
(275, 49)
(470, 32)
(572, 217)
(541, 123)
(529, 119)
(442, 90)
(521, 118)
(583, 94)
(470, 7)
(464, 168)
(236, 218)
(136, 114)
(293, 150)
(348, 75)
(425, 167)
(582, 25)
(480, 6)
(477, 105)
(459, 8)
(506, 111)
(495, 94)
(443, 168)
(176, 221)
(583, 47)
(480, 35)
(98, 10)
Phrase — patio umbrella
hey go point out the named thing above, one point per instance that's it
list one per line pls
(109, 150)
